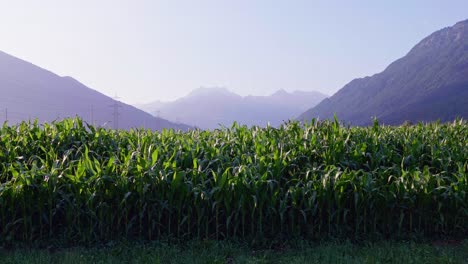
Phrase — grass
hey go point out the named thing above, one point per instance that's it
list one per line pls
(227, 252)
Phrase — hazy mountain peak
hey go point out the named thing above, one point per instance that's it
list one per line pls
(204, 91)
(280, 92)
(69, 78)
(210, 107)
(462, 24)
(443, 37)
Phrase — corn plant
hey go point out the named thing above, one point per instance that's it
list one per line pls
(70, 180)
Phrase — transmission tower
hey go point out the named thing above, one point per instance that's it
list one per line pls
(115, 106)
(92, 115)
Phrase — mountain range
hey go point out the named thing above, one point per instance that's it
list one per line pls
(208, 108)
(30, 92)
(429, 83)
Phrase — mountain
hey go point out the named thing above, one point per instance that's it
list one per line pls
(429, 83)
(29, 92)
(209, 108)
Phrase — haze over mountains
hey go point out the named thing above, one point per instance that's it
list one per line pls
(208, 108)
(29, 92)
(429, 83)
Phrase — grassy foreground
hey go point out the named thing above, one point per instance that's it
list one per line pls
(225, 252)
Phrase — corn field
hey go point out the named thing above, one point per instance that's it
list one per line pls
(69, 180)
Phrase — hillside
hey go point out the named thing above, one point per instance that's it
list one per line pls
(30, 92)
(429, 83)
(211, 107)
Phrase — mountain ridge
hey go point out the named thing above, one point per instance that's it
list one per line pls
(33, 92)
(435, 68)
(212, 107)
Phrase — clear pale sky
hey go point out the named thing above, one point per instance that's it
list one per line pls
(160, 50)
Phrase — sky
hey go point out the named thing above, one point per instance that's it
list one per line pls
(148, 50)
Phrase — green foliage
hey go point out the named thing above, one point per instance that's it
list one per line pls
(79, 183)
